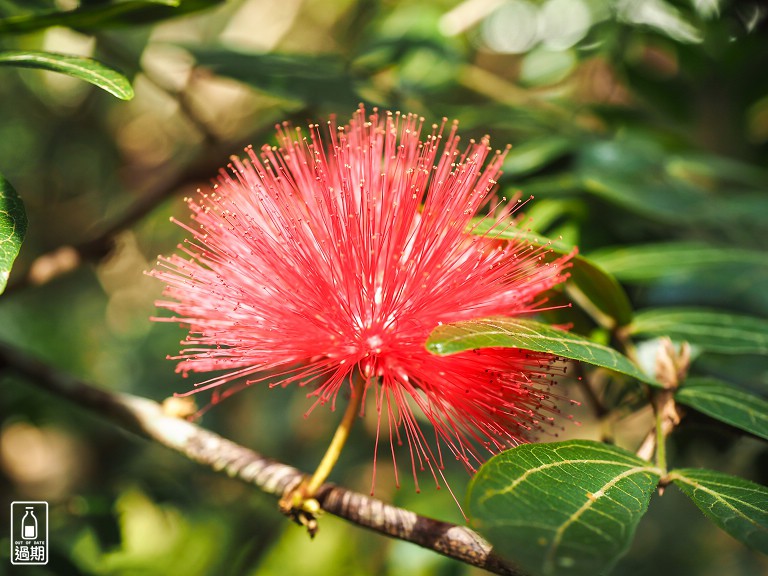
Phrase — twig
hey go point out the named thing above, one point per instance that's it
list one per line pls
(147, 419)
(666, 416)
(670, 370)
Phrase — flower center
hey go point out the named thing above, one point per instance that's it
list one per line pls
(374, 343)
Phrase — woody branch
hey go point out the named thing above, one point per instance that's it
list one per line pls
(146, 418)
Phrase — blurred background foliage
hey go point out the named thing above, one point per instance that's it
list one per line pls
(641, 127)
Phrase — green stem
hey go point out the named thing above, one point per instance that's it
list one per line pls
(337, 443)
(661, 437)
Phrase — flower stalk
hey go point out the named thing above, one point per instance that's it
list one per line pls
(661, 403)
(671, 370)
(331, 455)
(301, 504)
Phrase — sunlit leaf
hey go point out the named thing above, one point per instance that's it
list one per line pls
(544, 214)
(535, 154)
(13, 227)
(104, 15)
(502, 332)
(726, 403)
(76, 66)
(709, 329)
(562, 508)
(738, 506)
(565, 183)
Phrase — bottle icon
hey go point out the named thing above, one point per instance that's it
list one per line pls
(29, 525)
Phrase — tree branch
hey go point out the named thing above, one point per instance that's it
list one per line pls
(147, 419)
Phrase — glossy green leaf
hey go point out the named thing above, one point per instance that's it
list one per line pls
(746, 371)
(599, 293)
(76, 66)
(664, 202)
(503, 332)
(709, 329)
(544, 214)
(562, 508)
(697, 165)
(590, 286)
(485, 227)
(563, 184)
(13, 227)
(726, 403)
(306, 77)
(674, 260)
(104, 15)
(659, 202)
(629, 172)
(535, 154)
(738, 506)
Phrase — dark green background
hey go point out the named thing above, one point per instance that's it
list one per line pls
(628, 132)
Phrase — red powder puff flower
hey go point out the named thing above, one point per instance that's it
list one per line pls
(332, 257)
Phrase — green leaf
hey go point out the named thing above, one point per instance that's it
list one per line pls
(592, 287)
(738, 506)
(104, 15)
(629, 172)
(660, 201)
(562, 184)
(546, 213)
(76, 66)
(535, 154)
(746, 371)
(598, 292)
(651, 262)
(13, 227)
(681, 273)
(305, 77)
(503, 332)
(696, 165)
(562, 508)
(723, 402)
(709, 329)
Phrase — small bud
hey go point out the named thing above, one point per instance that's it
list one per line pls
(179, 406)
(672, 364)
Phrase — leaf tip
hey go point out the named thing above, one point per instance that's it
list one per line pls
(127, 95)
